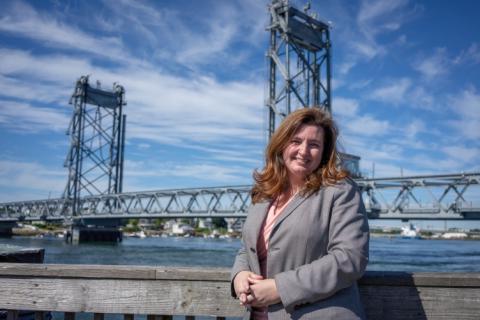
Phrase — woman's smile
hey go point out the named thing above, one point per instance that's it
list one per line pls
(303, 153)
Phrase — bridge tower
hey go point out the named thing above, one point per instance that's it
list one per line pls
(299, 62)
(299, 67)
(97, 138)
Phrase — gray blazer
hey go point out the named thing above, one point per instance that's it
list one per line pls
(318, 248)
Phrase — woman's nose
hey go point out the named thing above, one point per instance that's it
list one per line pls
(303, 148)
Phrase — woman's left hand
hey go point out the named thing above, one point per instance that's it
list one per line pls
(262, 292)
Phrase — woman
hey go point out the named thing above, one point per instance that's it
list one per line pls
(305, 240)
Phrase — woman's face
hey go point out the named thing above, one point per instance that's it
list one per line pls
(303, 153)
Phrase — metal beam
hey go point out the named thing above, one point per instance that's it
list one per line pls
(97, 136)
(415, 197)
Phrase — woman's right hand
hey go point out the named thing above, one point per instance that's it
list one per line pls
(242, 285)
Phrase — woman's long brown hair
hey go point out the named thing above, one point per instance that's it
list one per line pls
(272, 180)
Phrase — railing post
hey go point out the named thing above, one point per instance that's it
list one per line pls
(12, 314)
(128, 316)
(157, 317)
(39, 315)
(98, 316)
(69, 316)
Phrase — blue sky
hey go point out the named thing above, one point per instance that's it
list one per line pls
(406, 89)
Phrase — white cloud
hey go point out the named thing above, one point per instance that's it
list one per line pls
(394, 93)
(27, 118)
(367, 126)
(436, 65)
(345, 67)
(233, 153)
(164, 108)
(404, 92)
(374, 18)
(21, 19)
(44, 91)
(419, 98)
(371, 10)
(35, 180)
(139, 176)
(207, 37)
(345, 106)
(462, 154)
(360, 84)
(59, 69)
(414, 127)
(434, 165)
(466, 105)
(378, 169)
(471, 55)
(143, 146)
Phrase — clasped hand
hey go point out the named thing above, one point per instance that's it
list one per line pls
(253, 290)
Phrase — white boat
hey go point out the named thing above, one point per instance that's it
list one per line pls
(141, 234)
(410, 232)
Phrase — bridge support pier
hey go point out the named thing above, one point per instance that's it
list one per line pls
(6, 228)
(95, 231)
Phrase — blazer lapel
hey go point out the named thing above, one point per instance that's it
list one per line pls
(289, 209)
(258, 215)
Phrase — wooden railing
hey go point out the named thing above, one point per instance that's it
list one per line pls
(161, 293)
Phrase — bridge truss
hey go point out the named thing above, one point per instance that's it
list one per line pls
(439, 197)
(299, 62)
(97, 138)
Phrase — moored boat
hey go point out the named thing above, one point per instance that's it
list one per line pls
(410, 232)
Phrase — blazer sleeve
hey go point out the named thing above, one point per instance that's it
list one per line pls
(240, 264)
(346, 258)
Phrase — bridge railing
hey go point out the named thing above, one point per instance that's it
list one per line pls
(453, 196)
(161, 293)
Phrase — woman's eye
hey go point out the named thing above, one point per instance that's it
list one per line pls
(295, 141)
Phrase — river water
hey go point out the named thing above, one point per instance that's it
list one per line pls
(386, 254)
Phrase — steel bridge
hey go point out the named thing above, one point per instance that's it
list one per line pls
(299, 76)
(440, 197)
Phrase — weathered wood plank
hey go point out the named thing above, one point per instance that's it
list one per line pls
(120, 296)
(432, 279)
(77, 271)
(220, 274)
(399, 303)
(157, 291)
(195, 274)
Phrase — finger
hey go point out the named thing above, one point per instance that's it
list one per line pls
(250, 298)
(255, 276)
(254, 281)
(243, 298)
(257, 304)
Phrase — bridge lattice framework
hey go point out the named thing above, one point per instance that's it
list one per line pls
(449, 197)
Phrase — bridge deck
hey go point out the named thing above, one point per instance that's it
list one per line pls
(455, 196)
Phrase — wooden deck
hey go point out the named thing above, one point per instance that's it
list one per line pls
(160, 293)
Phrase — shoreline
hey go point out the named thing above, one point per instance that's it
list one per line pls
(60, 233)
